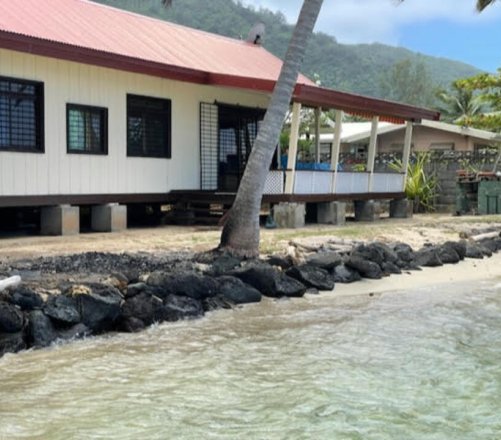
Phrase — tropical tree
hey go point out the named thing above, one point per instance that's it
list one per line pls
(459, 104)
(240, 235)
(408, 81)
(482, 4)
(488, 89)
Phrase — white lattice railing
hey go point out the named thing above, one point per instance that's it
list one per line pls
(274, 183)
(320, 182)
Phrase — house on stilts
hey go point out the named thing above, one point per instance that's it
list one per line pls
(106, 111)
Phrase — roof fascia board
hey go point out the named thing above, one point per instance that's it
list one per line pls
(313, 95)
(366, 134)
(241, 82)
(464, 131)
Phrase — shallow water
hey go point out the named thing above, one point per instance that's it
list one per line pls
(424, 364)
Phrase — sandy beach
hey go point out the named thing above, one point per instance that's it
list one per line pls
(465, 271)
(416, 231)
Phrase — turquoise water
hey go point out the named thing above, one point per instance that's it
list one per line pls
(422, 364)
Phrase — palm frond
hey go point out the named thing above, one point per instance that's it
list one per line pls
(482, 4)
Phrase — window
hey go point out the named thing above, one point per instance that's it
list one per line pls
(87, 129)
(439, 146)
(148, 126)
(21, 115)
(397, 147)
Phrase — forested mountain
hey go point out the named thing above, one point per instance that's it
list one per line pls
(357, 68)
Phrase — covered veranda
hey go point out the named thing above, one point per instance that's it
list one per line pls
(328, 181)
(292, 184)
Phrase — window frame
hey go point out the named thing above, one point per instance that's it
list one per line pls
(39, 115)
(103, 116)
(442, 146)
(146, 112)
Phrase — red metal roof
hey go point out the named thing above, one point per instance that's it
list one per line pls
(84, 31)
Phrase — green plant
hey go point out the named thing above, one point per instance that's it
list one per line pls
(466, 165)
(420, 187)
(359, 167)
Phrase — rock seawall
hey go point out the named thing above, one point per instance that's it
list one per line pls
(63, 298)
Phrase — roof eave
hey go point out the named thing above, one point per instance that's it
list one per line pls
(54, 49)
(352, 103)
(310, 95)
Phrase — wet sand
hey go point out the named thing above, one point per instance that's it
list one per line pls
(467, 270)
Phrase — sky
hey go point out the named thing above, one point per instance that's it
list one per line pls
(443, 28)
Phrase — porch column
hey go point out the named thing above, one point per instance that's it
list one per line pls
(371, 156)
(291, 160)
(336, 146)
(407, 150)
(318, 112)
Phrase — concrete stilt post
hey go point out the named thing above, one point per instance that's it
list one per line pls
(60, 220)
(109, 218)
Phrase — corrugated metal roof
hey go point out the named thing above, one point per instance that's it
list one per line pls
(89, 25)
(88, 32)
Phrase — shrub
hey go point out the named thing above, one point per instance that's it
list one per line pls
(419, 187)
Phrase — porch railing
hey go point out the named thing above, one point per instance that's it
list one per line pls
(275, 182)
(313, 182)
(330, 182)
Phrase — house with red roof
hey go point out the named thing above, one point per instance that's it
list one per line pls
(110, 110)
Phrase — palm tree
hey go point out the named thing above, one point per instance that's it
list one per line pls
(459, 105)
(240, 235)
(482, 4)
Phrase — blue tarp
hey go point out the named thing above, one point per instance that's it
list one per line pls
(313, 166)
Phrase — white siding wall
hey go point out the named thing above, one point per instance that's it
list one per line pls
(56, 172)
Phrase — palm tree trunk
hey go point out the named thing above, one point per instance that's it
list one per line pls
(240, 235)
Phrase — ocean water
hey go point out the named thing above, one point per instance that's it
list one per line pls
(419, 364)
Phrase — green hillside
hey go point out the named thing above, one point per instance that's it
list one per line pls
(354, 68)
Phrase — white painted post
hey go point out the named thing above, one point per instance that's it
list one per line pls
(336, 146)
(291, 160)
(371, 156)
(318, 112)
(407, 151)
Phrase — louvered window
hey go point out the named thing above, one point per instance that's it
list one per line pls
(87, 129)
(21, 115)
(148, 126)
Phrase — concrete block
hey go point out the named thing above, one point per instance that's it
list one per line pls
(109, 218)
(365, 211)
(289, 215)
(60, 220)
(401, 208)
(331, 213)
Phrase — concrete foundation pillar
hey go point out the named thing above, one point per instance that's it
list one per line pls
(365, 211)
(109, 218)
(289, 215)
(400, 208)
(60, 220)
(333, 213)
